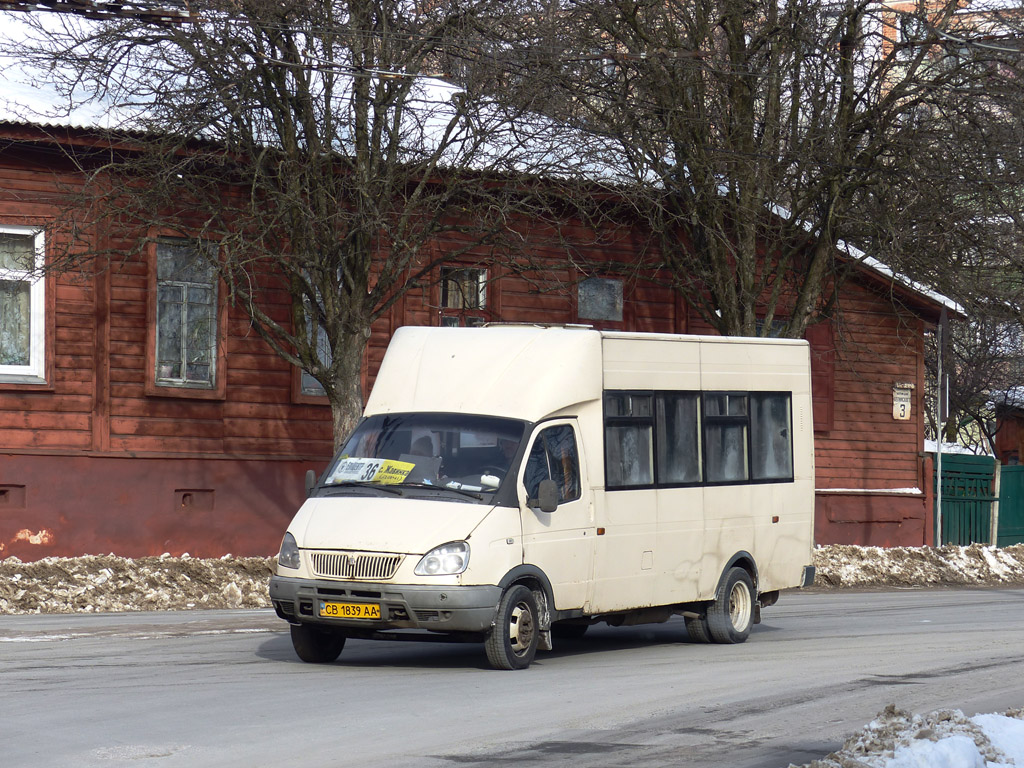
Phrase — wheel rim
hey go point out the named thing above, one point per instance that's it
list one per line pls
(521, 629)
(739, 606)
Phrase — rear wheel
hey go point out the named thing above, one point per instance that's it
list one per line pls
(697, 629)
(731, 615)
(512, 642)
(315, 645)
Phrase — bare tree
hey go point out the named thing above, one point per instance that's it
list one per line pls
(313, 141)
(758, 135)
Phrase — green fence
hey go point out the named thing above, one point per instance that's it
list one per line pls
(968, 484)
(1011, 506)
(967, 496)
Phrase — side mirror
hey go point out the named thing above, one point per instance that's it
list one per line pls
(310, 482)
(547, 496)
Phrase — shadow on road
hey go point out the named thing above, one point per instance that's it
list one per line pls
(424, 654)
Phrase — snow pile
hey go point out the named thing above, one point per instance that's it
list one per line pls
(943, 739)
(96, 583)
(849, 566)
(110, 583)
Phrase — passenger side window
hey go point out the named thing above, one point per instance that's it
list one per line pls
(678, 418)
(670, 439)
(725, 437)
(629, 439)
(554, 456)
(771, 444)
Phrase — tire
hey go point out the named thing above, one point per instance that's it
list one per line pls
(565, 631)
(512, 642)
(315, 645)
(731, 615)
(698, 630)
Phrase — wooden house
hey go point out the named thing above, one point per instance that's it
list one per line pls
(112, 441)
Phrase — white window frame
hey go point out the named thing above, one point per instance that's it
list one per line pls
(35, 371)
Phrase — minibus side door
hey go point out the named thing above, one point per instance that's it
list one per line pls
(560, 543)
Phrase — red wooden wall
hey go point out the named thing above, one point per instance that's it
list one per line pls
(97, 461)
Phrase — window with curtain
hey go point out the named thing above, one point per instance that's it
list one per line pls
(22, 305)
(186, 315)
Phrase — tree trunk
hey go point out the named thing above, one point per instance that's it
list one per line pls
(346, 397)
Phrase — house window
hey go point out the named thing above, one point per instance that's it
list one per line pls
(186, 316)
(463, 296)
(600, 298)
(310, 386)
(22, 305)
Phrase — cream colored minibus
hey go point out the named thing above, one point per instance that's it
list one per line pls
(514, 484)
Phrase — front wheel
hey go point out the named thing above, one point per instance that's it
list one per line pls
(315, 645)
(512, 642)
(731, 615)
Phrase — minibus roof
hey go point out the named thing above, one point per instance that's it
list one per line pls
(517, 371)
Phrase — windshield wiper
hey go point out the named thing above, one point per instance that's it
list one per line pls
(431, 486)
(357, 484)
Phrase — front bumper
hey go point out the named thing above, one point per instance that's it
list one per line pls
(402, 606)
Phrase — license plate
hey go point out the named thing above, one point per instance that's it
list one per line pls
(349, 610)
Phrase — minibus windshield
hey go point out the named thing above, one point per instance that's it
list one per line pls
(446, 450)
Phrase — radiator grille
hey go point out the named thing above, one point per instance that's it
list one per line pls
(346, 565)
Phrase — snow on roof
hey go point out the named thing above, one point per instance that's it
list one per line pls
(884, 270)
(1009, 398)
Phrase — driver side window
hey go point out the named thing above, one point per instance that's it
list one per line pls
(554, 456)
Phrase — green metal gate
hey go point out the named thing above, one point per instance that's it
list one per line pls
(1011, 506)
(967, 496)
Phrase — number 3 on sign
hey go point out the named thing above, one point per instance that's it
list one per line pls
(901, 404)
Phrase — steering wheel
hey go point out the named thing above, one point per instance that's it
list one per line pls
(489, 469)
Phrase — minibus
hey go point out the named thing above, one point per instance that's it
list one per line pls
(515, 484)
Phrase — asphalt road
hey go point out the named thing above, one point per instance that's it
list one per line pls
(223, 688)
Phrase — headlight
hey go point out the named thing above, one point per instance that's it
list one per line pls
(446, 560)
(289, 554)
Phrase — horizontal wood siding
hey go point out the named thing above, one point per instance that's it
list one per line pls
(58, 416)
(99, 405)
(866, 448)
(97, 401)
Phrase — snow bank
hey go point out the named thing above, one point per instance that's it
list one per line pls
(97, 583)
(848, 566)
(943, 739)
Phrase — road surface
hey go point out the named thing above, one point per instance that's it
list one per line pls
(224, 689)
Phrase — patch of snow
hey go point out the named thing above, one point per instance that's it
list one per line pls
(930, 446)
(953, 752)
(942, 739)
(849, 566)
(1005, 733)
